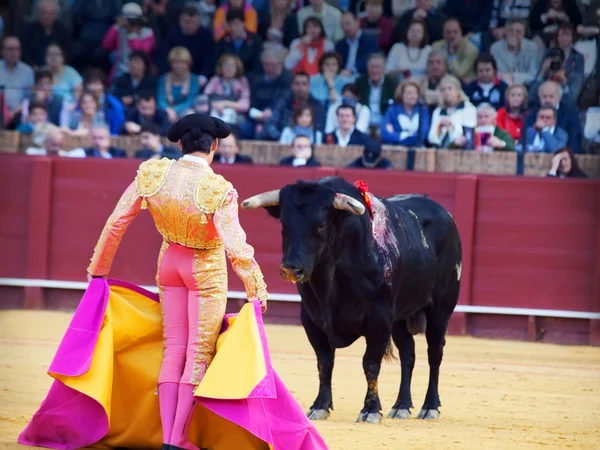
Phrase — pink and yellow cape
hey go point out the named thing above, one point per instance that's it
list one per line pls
(106, 368)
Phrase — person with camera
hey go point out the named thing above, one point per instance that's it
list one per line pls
(128, 34)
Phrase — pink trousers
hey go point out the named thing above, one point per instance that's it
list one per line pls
(193, 290)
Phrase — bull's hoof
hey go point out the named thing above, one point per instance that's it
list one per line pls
(317, 414)
(429, 414)
(399, 414)
(367, 417)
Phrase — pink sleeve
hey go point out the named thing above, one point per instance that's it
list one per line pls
(240, 253)
(244, 101)
(144, 44)
(211, 86)
(111, 39)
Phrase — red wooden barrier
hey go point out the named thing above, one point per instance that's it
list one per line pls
(527, 242)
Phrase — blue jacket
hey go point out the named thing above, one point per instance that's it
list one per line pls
(568, 120)
(495, 97)
(366, 46)
(550, 142)
(113, 113)
(356, 138)
(391, 117)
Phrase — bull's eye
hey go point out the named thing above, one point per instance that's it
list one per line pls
(320, 228)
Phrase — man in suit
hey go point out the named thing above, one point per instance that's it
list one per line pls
(376, 90)
(228, 152)
(101, 147)
(303, 154)
(346, 134)
(152, 146)
(145, 113)
(356, 46)
(371, 158)
(545, 136)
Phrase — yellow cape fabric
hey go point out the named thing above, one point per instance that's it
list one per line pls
(125, 368)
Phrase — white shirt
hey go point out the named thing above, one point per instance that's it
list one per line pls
(227, 161)
(196, 159)
(299, 162)
(374, 102)
(343, 141)
(538, 142)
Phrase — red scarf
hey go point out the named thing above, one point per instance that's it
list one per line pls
(304, 65)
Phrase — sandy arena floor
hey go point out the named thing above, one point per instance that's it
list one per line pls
(495, 394)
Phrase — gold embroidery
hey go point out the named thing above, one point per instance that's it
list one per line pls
(210, 273)
(210, 191)
(127, 208)
(151, 176)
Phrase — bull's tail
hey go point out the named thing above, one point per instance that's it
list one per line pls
(389, 356)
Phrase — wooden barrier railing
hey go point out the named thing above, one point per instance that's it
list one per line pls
(424, 160)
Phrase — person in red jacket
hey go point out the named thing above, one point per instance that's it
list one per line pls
(510, 118)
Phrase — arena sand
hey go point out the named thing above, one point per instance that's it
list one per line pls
(495, 394)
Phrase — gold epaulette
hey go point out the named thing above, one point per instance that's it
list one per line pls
(210, 192)
(151, 176)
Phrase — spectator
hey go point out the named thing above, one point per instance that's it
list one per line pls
(355, 48)
(487, 135)
(565, 165)
(349, 97)
(550, 94)
(371, 157)
(329, 16)
(201, 105)
(239, 41)
(547, 15)
(408, 59)
(178, 88)
(591, 130)
(282, 112)
(426, 11)
(376, 89)
(144, 114)
(455, 115)
(39, 34)
(64, 13)
(188, 33)
(303, 154)
(406, 122)
(137, 81)
(437, 68)
(53, 145)
(346, 133)
(16, 77)
(326, 86)
(207, 10)
(249, 18)
(152, 146)
(460, 52)
(573, 61)
(518, 58)
(306, 51)
(42, 92)
(66, 81)
(274, 83)
(127, 35)
(377, 25)
(511, 117)
(280, 24)
(228, 152)
(86, 115)
(37, 124)
(590, 25)
(302, 125)
(109, 105)
(545, 135)
(487, 87)
(100, 148)
(505, 12)
(474, 17)
(229, 91)
(91, 21)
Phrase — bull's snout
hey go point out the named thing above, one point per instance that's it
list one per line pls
(291, 273)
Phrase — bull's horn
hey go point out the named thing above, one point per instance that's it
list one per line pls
(270, 198)
(347, 203)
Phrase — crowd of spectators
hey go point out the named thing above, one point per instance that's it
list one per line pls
(486, 75)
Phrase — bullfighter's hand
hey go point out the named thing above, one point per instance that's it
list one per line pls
(263, 306)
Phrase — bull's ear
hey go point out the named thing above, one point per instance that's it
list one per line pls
(274, 211)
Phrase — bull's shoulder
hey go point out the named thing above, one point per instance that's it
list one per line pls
(422, 208)
(211, 191)
(151, 176)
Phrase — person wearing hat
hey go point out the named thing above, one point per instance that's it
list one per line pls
(371, 158)
(196, 212)
(127, 35)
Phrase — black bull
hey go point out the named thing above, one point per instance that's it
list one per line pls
(391, 276)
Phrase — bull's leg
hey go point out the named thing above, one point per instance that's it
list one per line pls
(325, 357)
(406, 346)
(437, 323)
(376, 348)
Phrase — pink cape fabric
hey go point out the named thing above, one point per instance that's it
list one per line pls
(68, 419)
